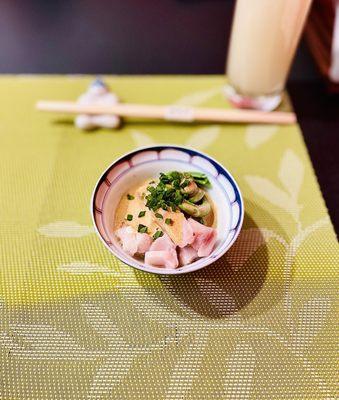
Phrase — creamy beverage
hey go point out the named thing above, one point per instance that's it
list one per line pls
(264, 38)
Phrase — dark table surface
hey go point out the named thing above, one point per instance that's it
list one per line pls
(318, 116)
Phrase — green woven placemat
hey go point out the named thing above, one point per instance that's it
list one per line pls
(76, 323)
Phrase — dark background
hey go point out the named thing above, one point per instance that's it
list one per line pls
(159, 37)
(121, 37)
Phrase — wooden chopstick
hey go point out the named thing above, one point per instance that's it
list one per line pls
(171, 112)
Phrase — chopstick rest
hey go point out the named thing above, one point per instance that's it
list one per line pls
(98, 93)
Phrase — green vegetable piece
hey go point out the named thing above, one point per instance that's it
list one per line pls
(198, 196)
(130, 197)
(196, 174)
(142, 228)
(191, 188)
(158, 215)
(185, 183)
(168, 221)
(158, 234)
(201, 179)
(195, 210)
(129, 217)
(141, 214)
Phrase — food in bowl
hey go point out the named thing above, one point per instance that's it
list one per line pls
(123, 175)
(168, 221)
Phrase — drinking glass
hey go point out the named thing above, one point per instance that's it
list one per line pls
(264, 38)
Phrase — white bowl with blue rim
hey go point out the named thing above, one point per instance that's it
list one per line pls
(143, 163)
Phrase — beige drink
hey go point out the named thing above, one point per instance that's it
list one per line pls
(264, 38)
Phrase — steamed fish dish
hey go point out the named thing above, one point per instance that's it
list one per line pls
(168, 221)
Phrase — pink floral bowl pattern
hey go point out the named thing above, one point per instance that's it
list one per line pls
(147, 162)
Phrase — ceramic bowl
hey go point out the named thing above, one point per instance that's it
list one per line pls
(146, 162)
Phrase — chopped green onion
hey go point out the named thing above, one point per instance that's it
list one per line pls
(158, 234)
(142, 228)
(130, 197)
(151, 189)
(185, 183)
(159, 216)
(168, 221)
(168, 193)
(129, 217)
(141, 214)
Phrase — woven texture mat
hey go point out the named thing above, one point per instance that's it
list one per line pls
(76, 323)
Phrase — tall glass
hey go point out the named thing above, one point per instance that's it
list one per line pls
(265, 35)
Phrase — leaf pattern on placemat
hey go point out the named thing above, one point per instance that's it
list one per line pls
(187, 368)
(311, 320)
(248, 242)
(240, 372)
(41, 342)
(200, 139)
(203, 137)
(66, 229)
(119, 357)
(84, 268)
(141, 139)
(122, 349)
(291, 173)
(222, 301)
(268, 190)
(101, 323)
(199, 97)
(256, 135)
(111, 373)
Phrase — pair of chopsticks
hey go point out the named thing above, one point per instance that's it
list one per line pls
(171, 112)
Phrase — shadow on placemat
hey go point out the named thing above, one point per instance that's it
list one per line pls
(222, 289)
(133, 123)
